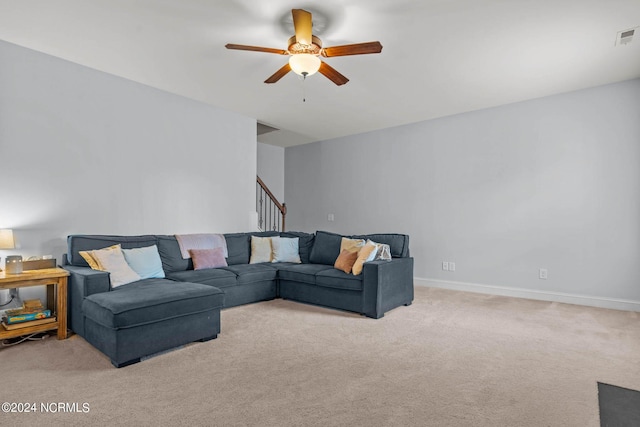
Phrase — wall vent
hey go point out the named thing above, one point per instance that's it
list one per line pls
(625, 36)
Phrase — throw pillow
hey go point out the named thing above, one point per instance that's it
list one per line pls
(345, 261)
(305, 243)
(384, 252)
(351, 245)
(93, 263)
(260, 250)
(112, 260)
(367, 253)
(285, 249)
(207, 258)
(145, 261)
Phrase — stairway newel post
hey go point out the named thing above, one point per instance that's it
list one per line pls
(284, 213)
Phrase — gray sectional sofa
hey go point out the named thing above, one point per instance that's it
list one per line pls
(153, 315)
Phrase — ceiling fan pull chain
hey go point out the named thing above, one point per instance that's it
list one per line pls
(304, 92)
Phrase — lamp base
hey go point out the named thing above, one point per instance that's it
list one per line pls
(13, 264)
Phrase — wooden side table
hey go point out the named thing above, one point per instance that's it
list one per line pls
(55, 279)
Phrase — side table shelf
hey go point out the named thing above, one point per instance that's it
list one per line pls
(55, 279)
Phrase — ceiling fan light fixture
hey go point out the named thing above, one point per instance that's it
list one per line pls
(304, 64)
(304, 51)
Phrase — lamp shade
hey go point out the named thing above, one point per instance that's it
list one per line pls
(304, 64)
(6, 239)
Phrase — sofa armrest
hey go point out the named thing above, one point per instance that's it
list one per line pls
(83, 281)
(386, 285)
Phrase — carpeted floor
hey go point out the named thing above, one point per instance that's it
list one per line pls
(450, 359)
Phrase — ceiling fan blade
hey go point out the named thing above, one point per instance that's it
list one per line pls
(255, 48)
(302, 25)
(352, 49)
(279, 74)
(332, 74)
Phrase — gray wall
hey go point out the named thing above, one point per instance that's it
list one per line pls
(271, 168)
(82, 151)
(502, 192)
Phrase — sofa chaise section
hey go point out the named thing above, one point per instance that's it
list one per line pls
(149, 316)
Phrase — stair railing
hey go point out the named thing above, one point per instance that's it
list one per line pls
(271, 213)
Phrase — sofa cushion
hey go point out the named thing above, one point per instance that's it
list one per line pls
(238, 248)
(88, 242)
(305, 273)
(251, 273)
(339, 279)
(305, 243)
(171, 256)
(217, 277)
(326, 248)
(149, 301)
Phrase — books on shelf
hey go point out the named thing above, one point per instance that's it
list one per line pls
(12, 316)
(32, 313)
(32, 304)
(31, 310)
(37, 322)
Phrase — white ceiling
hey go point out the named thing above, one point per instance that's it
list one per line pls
(440, 57)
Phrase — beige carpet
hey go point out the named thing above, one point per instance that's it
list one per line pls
(450, 359)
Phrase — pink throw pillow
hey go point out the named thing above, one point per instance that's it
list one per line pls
(207, 258)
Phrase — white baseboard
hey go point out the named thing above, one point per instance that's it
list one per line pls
(616, 304)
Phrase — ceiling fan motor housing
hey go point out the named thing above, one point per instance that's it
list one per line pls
(314, 48)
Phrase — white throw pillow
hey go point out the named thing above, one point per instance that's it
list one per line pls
(113, 261)
(285, 249)
(383, 252)
(260, 250)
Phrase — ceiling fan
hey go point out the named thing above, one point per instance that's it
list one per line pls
(305, 50)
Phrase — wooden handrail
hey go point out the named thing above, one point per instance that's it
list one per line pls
(282, 207)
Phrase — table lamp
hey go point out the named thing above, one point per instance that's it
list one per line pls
(6, 240)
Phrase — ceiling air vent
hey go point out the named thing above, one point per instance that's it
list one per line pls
(625, 36)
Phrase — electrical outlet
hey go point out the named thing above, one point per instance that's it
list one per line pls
(445, 265)
(331, 217)
(542, 273)
(452, 266)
